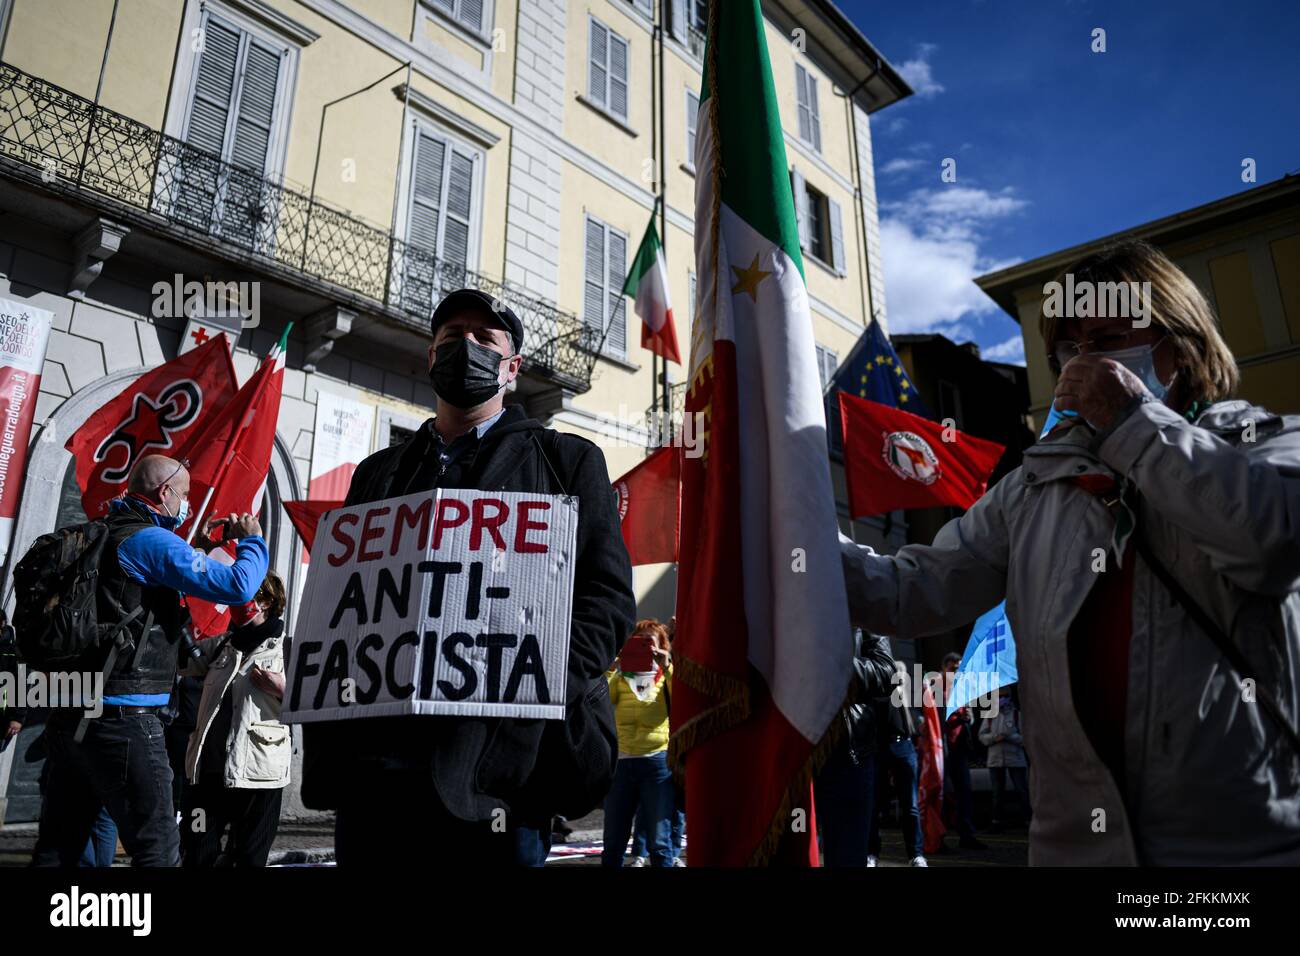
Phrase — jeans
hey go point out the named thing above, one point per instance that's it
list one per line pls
(644, 784)
(395, 816)
(845, 795)
(121, 765)
(900, 758)
(957, 774)
(1019, 780)
(102, 845)
(640, 839)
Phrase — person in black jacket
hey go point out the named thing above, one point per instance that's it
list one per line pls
(438, 787)
(845, 786)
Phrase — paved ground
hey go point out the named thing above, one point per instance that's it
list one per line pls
(307, 843)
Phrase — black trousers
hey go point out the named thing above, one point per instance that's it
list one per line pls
(396, 816)
(121, 764)
(209, 808)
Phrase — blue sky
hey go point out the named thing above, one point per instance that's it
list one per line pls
(1055, 144)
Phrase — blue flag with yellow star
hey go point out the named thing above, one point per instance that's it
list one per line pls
(874, 371)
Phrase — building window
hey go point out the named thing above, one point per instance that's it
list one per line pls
(692, 117)
(442, 191)
(697, 15)
(821, 223)
(468, 13)
(810, 124)
(236, 107)
(606, 271)
(827, 362)
(645, 6)
(607, 73)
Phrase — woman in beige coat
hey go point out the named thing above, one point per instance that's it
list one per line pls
(1141, 547)
(237, 764)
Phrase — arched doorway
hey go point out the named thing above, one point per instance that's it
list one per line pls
(51, 499)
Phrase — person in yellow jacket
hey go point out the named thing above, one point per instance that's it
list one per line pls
(642, 780)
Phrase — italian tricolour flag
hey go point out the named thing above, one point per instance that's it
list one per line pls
(648, 283)
(764, 649)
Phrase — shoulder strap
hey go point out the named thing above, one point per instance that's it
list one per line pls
(1221, 640)
(552, 439)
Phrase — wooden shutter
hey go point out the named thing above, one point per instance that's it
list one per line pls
(814, 114)
(593, 298)
(837, 236)
(426, 192)
(214, 88)
(692, 124)
(616, 341)
(456, 215)
(801, 101)
(253, 121)
(471, 14)
(598, 58)
(617, 75)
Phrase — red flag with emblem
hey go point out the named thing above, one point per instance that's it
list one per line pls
(157, 414)
(894, 459)
(650, 507)
(230, 462)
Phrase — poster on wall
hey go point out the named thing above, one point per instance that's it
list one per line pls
(24, 334)
(344, 427)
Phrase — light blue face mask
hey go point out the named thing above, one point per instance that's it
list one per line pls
(1140, 360)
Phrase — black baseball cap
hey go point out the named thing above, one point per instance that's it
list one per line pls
(463, 300)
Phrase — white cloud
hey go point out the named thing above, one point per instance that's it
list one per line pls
(930, 244)
(900, 165)
(1012, 351)
(916, 72)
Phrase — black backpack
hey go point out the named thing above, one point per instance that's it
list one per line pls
(56, 616)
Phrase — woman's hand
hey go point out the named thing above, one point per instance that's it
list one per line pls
(1099, 389)
(268, 682)
(661, 657)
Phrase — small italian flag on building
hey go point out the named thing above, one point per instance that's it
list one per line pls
(648, 284)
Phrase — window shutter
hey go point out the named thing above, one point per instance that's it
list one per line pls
(214, 88)
(618, 75)
(593, 299)
(677, 21)
(646, 6)
(426, 193)
(801, 101)
(837, 236)
(814, 115)
(471, 14)
(447, 6)
(801, 210)
(455, 230)
(256, 108)
(616, 342)
(598, 77)
(692, 123)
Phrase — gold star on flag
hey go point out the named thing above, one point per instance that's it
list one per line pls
(747, 280)
(880, 360)
(898, 370)
(902, 398)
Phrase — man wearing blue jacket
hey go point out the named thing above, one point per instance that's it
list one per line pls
(121, 763)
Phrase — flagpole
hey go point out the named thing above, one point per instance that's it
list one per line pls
(663, 194)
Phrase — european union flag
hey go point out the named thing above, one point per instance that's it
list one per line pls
(874, 371)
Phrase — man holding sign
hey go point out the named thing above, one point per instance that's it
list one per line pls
(469, 597)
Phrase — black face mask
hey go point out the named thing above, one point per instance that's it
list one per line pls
(465, 373)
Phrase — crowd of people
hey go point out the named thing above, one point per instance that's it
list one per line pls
(1124, 665)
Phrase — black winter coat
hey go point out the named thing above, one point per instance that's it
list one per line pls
(480, 764)
(873, 670)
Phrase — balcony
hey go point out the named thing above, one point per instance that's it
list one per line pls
(61, 142)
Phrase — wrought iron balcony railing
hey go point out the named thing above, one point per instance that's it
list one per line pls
(112, 162)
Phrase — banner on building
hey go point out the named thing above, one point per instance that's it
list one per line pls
(24, 334)
(451, 602)
(341, 440)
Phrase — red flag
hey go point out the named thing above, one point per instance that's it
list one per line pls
(929, 779)
(894, 459)
(305, 515)
(158, 414)
(230, 461)
(650, 507)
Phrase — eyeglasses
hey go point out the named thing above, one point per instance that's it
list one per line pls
(183, 463)
(1067, 349)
